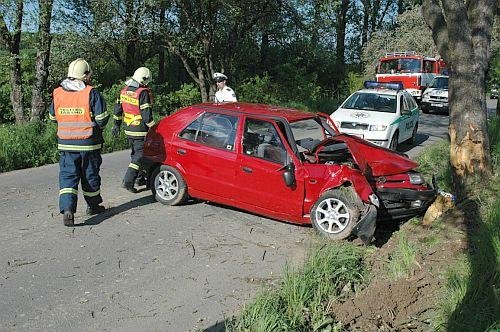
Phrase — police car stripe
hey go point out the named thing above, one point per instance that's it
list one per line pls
(402, 117)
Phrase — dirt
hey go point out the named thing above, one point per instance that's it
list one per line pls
(407, 303)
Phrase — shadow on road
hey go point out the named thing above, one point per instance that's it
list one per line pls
(113, 211)
(421, 138)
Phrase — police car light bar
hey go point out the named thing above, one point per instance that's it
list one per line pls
(383, 85)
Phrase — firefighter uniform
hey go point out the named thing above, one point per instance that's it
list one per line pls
(80, 113)
(134, 109)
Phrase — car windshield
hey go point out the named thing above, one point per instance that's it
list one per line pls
(371, 102)
(308, 133)
(440, 83)
(399, 66)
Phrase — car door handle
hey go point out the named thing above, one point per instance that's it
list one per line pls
(247, 169)
(181, 151)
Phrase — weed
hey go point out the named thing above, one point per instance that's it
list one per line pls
(403, 258)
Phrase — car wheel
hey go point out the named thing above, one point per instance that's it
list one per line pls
(168, 186)
(336, 213)
(425, 110)
(413, 139)
(394, 141)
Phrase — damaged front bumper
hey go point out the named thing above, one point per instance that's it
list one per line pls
(366, 226)
(404, 203)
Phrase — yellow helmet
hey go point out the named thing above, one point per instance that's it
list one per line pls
(142, 75)
(79, 69)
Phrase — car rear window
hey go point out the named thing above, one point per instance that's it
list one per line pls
(213, 129)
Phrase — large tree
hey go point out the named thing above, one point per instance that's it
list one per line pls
(12, 42)
(462, 32)
(42, 60)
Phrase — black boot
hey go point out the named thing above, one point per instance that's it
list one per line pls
(129, 187)
(68, 219)
(95, 209)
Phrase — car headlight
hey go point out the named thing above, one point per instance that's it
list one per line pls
(416, 178)
(378, 127)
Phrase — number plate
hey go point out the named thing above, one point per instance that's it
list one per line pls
(437, 105)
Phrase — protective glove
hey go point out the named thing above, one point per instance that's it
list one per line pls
(115, 131)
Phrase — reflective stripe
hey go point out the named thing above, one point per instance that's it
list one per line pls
(132, 120)
(134, 166)
(68, 191)
(116, 117)
(129, 100)
(143, 106)
(150, 124)
(69, 132)
(76, 124)
(52, 117)
(91, 194)
(78, 147)
(102, 116)
(136, 133)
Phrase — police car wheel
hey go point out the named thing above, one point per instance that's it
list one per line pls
(413, 139)
(394, 142)
(336, 212)
(168, 186)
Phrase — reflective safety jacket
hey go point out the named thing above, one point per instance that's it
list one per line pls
(134, 109)
(80, 117)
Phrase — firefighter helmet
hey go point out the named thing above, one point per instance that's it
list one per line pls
(142, 75)
(79, 69)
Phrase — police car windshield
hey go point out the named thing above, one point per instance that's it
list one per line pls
(371, 102)
(440, 83)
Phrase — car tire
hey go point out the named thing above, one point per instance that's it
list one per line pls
(336, 212)
(413, 139)
(168, 186)
(394, 142)
(425, 110)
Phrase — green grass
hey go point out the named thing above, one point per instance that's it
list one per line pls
(403, 258)
(300, 302)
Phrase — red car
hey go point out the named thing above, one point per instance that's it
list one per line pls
(284, 164)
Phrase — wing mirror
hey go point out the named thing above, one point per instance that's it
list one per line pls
(289, 174)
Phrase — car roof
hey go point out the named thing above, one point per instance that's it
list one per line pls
(380, 91)
(290, 114)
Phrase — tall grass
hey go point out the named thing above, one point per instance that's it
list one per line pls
(35, 144)
(300, 302)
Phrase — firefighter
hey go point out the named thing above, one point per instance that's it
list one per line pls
(134, 109)
(80, 113)
(224, 93)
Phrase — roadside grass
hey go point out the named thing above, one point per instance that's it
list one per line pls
(403, 259)
(301, 301)
(470, 300)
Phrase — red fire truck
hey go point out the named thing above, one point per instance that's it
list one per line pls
(415, 71)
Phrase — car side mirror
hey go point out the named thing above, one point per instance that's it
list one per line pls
(289, 175)
(405, 112)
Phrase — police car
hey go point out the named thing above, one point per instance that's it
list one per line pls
(382, 113)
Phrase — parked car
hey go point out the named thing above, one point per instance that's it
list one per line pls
(435, 97)
(382, 113)
(284, 164)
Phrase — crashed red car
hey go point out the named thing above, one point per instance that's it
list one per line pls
(284, 164)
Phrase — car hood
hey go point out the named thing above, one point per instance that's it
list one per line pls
(359, 116)
(373, 159)
(436, 92)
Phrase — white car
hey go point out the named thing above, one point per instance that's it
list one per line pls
(382, 113)
(435, 97)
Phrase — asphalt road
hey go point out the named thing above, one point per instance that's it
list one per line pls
(140, 265)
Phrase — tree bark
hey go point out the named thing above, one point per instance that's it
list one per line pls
(161, 51)
(366, 21)
(42, 61)
(340, 47)
(13, 42)
(463, 37)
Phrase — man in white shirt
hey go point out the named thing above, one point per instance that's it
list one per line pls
(224, 93)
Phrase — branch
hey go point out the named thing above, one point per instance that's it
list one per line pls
(434, 18)
(5, 36)
(184, 60)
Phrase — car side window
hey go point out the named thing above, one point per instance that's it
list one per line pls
(213, 129)
(261, 140)
(403, 104)
(411, 102)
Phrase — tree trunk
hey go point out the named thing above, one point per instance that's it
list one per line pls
(366, 22)
(42, 61)
(161, 51)
(340, 48)
(12, 43)
(463, 35)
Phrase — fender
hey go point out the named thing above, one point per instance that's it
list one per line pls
(346, 174)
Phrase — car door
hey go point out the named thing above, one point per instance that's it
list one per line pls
(406, 122)
(259, 177)
(205, 151)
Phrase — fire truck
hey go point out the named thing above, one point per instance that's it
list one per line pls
(415, 71)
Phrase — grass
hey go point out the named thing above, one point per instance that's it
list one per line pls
(300, 302)
(403, 258)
